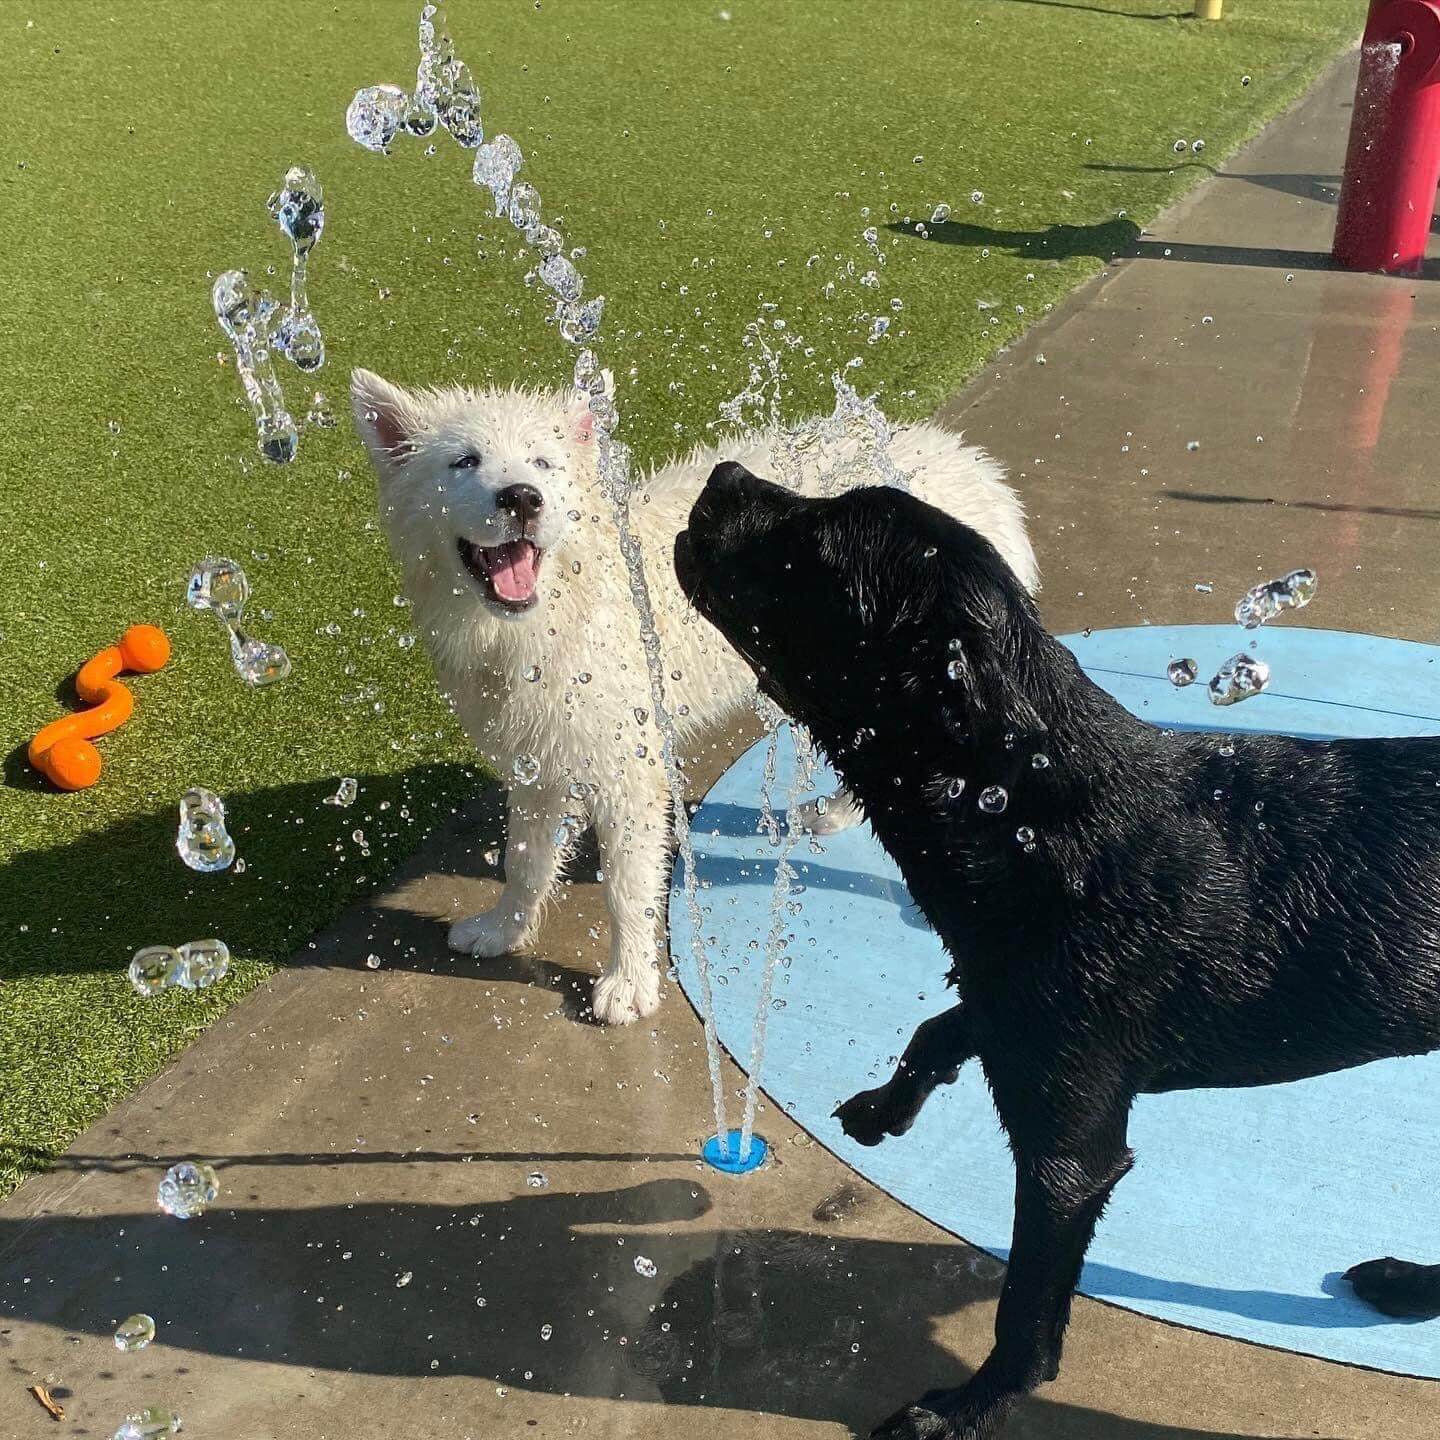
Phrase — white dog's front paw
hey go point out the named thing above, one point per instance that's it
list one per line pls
(490, 933)
(827, 814)
(620, 998)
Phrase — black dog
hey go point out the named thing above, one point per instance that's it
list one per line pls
(1127, 910)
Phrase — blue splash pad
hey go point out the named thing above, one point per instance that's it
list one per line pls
(1244, 1206)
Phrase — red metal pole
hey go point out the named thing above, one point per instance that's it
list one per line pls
(1392, 166)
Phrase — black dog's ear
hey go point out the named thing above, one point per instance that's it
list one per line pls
(982, 684)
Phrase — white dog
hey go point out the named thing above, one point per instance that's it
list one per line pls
(496, 514)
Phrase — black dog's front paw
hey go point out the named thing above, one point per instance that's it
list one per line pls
(1398, 1287)
(873, 1114)
(914, 1422)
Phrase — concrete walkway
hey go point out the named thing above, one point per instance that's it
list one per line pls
(436, 1182)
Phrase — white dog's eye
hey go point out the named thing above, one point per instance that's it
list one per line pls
(465, 462)
(540, 463)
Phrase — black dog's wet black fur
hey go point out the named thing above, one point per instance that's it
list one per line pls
(1193, 910)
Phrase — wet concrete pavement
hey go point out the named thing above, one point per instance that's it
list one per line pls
(437, 1179)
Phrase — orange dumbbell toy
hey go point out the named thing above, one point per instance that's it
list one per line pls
(62, 750)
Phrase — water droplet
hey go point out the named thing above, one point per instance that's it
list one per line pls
(187, 1189)
(537, 1180)
(148, 1424)
(495, 167)
(218, 585)
(203, 962)
(956, 669)
(1180, 147)
(1182, 672)
(561, 276)
(940, 214)
(202, 840)
(994, 799)
(531, 673)
(977, 197)
(546, 1331)
(257, 662)
(1039, 761)
(492, 856)
(1192, 445)
(1203, 587)
(375, 116)
(526, 769)
(646, 1267)
(1197, 147)
(955, 789)
(1025, 835)
(1264, 602)
(134, 1333)
(155, 969)
(1240, 677)
(344, 797)
(372, 961)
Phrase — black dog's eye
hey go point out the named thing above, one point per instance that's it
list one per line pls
(540, 463)
(465, 462)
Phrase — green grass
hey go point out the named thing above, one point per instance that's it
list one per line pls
(700, 161)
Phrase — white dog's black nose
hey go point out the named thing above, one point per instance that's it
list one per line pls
(524, 502)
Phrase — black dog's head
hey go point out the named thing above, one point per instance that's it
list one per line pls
(871, 609)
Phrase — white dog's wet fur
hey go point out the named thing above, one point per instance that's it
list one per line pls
(495, 512)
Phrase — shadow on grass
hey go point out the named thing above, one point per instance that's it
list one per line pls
(302, 865)
(1106, 10)
(819, 1326)
(1122, 239)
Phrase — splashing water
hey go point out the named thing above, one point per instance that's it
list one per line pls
(202, 840)
(780, 900)
(196, 965)
(344, 797)
(240, 310)
(578, 320)
(299, 210)
(1240, 677)
(148, 1424)
(1291, 592)
(219, 585)
(255, 322)
(187, 1189)
(134, 1333)
(445, 95)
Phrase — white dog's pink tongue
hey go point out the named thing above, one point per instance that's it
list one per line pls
(513, 571)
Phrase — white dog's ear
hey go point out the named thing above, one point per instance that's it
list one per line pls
(387, 418)
(582, 422)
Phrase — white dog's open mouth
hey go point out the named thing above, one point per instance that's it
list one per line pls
(508, 573)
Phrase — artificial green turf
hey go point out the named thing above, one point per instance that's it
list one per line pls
(701, 160)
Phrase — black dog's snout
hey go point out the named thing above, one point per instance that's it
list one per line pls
(733, 494)
(524, 502)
